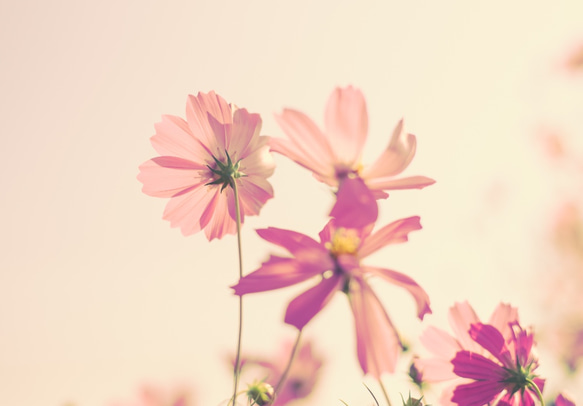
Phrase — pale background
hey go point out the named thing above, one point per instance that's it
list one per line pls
(99, 295)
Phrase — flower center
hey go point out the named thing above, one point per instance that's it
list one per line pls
(225, 173)
(343, 242)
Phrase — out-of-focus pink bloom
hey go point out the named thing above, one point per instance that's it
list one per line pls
(303, 374)
(150, 395)
(334, 155)
(509, 377)
(335, 261)
(201, 159)
(444, 346)
(568, 230)
(563, 400)
(575, 59)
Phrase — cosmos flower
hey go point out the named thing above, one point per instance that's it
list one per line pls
(335, 262)
(510, 377)
(334, 156)
(202, 159)
(444, 346)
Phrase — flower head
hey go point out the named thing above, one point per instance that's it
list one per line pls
(202, 159)
(336, 262)
(510, 376)
(334, 156)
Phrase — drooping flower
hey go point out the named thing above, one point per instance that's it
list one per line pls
(444, 346)
(202, 159)
(336, 262)
(334, 156)
(510, 377)
(303, 374)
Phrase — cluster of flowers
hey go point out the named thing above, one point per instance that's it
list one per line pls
(214, 168)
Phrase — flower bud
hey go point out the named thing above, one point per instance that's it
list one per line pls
(260, 392)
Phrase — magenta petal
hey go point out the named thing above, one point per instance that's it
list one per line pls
(304, 307)
(291, 240)
(404, 281)
(477, 393)
(355, 205)
(378, 344)
(492, 340)
(395, 232)
(278, 272)
(475, 366)
(562, 400)
(461, 317)
(503, 315)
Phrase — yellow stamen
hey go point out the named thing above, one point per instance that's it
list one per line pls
(343, 242)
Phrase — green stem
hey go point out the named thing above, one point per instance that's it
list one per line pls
(531, 383)
(238, 357)
(288, 367)
(384, 391)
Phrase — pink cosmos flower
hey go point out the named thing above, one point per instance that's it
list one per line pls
(509, 377)
(202, 159)
(301, 378)
(334, 156)
(444, 346)
(336, 262)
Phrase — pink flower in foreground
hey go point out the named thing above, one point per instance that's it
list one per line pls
(301, 378)
(444, 346)
(335, 262)
(509, 377)
(202, 158)
(334, 156)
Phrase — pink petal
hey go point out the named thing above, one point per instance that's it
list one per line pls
(198, 109)
(307, 146)
(378, 344)
(492, 341)
(186, 210)
(395, 158)
(563, 400)
(346, 124)
(246, 128)
(412, 182)
(461, 317)
(169, 176)
(292, 241)
(222, 133)
(216, 220)
(355, 205)
(278, 272)
(304, 307)
(173, 137)
(259, 161)
(503, 315)
(252, 196)
(395, 232)
(435, 369)
(404, 281)
(477, 393)
(475, 366)
(440, 343)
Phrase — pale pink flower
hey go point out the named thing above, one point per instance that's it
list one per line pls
(507, 376)
(443, 346)
(201, 159)
(303, 374)
(334, 156)
(335, 262)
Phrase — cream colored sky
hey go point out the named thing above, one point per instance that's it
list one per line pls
(98, 294)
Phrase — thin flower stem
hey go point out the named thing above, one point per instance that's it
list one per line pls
(238, 357)
(384, 391)
(288, 367)
(531, 383)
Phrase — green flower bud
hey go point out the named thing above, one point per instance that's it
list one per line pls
(260, 392)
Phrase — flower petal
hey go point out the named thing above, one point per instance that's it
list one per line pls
(304, 307)
(198, 109)
(378, 343)
(186, 210)
(347, 124)
(168, 176)
(440, 343)
(475, 366)
(292, 241)
(216, 219)
(404, 281)
(307, 146)
(246, 128)
(173, 137)
(412, 182)
(492, 341)
(435, 369)
(461, 317)
(395, 158)
(503, 315)
(253, 193)
(355, 205)
(395, 232)
(477, 393)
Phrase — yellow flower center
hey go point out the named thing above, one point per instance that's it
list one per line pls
(343, 242)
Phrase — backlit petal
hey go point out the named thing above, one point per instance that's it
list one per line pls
(395, 232)
(355, 205)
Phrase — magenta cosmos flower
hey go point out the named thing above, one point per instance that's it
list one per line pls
(509, 378)
(202, 159)
(334, 156)
(335, 262)
(444, 346)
